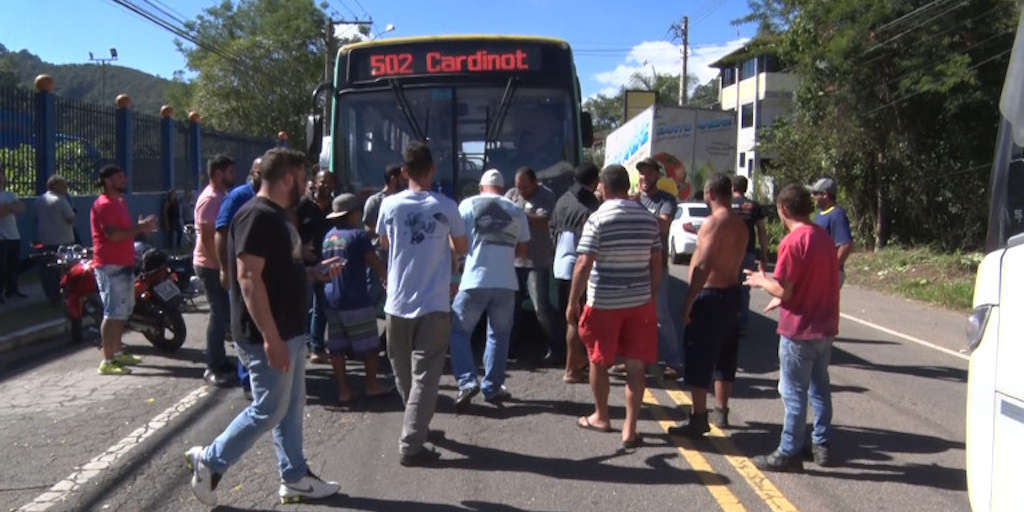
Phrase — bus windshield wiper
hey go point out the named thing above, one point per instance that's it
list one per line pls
(410, 116)
(494, 130)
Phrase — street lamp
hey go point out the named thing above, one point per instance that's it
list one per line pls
(103, 69)
(388, 28)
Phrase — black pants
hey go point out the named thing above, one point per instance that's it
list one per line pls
(9, 265)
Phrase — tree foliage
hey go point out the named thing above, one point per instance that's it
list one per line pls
(256, 68)
(898, 100)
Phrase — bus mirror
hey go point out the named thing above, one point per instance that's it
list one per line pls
(314, 136)
(587, 129)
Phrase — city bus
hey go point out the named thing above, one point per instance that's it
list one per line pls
(995, 332)
(478, 101)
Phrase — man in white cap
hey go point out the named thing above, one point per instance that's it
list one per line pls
(833, 218)
(497, 232)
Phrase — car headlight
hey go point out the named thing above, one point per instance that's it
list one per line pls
(976, 323)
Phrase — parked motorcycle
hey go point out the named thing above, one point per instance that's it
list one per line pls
(189, 284)
(157, 313)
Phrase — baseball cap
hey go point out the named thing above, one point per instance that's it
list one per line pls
(492, 178)
(648, 162)
(825, 184)
(343, 204)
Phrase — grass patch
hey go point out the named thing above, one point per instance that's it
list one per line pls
(918, 273)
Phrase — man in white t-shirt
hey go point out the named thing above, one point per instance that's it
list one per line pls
(55, 226)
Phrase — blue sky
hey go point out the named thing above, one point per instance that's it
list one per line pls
(612, 39)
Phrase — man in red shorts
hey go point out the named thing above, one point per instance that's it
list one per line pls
(620, 252)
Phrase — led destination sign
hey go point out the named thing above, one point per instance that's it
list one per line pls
(376, 63)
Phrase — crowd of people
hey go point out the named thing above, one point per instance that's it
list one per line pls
(297, 274)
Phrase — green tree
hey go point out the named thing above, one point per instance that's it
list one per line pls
(607, 111)
(257, 65)
(898, 100)
(705, 95)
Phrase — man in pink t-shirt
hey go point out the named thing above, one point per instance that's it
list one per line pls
(805, 288)
(221, 170)
(114, 262)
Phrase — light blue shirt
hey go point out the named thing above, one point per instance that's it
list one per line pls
(494, 225)
(565, 255)
(417, 225)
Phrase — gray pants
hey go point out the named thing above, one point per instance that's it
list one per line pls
(416, 348)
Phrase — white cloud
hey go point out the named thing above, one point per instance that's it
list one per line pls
(664, 56)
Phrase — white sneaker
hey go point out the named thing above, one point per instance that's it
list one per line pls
(204, 480)
(307, 487)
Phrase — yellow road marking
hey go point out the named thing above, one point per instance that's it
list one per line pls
(719, 490)
(757, 481)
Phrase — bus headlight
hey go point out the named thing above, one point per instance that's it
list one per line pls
(976, 323)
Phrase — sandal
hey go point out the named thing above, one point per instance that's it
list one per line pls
(584, 423)
(575, 379)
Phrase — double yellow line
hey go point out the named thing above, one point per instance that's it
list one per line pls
(728, 501)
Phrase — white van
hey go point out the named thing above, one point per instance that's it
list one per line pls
(995, 332)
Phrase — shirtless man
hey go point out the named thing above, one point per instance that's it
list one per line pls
(713, 300)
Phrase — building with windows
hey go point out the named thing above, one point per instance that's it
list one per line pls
(752, 82)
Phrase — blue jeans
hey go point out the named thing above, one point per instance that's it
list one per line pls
(278, 402)
(469, 305)
(803, 369)
(317, 318)
(217, 298)
(669, 346)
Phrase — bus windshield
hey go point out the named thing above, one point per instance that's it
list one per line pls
(465, 131)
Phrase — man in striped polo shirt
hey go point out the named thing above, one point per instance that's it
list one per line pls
(620, 252)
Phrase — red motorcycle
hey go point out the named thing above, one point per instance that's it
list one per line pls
(157, 313)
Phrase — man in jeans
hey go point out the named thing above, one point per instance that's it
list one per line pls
(221, 171)
(806, 289)
(419, 228)
(534, 269)
(496, 231)
(313, 225)
(114, 262)
(269, 290)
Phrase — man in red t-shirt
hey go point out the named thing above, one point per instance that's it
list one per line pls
(806, 289)
(113, 260)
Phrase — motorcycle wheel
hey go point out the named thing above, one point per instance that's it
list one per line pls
(172, 334)
(87, 328)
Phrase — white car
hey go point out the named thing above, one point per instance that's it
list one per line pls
(682, 233)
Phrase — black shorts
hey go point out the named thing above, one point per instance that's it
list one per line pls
(564, 287)
(712, 320)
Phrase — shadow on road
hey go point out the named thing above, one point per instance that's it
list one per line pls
(867, 454)
(341, 501)
(591, 469)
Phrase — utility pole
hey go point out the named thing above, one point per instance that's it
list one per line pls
(683, 82)
(103, 71)
(681, 31)
(331, 46)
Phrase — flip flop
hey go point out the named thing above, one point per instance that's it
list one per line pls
(584, 423)
(579, 379)
(631, 444)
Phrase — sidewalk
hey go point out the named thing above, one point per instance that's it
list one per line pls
(25, 321)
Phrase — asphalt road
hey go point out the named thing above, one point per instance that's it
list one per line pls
(78, 441)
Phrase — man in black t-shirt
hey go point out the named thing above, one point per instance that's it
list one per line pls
(268, 321)
(313, 225)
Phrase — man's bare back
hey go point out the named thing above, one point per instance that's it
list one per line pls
(721, 245)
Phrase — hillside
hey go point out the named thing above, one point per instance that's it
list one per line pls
(85, 81)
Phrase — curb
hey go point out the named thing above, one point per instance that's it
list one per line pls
(32, 334)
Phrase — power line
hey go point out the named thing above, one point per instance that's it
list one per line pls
(166, 11)
(915, 27)
(347, 8)
(360, 5)
(178, 31)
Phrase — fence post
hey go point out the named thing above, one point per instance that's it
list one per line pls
(282, 139)
(195, 133)
(167, 145)
(123, 129)
(46, 132)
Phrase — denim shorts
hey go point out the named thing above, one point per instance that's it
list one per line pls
(117, 290)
